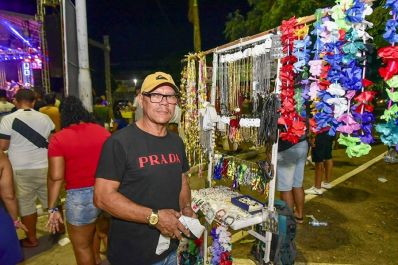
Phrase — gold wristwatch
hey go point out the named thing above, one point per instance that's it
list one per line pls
(153, 219)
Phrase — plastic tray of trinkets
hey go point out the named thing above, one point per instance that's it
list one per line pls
(248, 203)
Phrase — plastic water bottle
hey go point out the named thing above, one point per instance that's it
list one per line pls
(318, 223)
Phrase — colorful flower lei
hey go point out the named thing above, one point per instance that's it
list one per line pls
(327, 95)
(316, 69)
(293, 123)
(190, 252)
(221, 247)
(302, 53)
(389, 130)
(346, 95)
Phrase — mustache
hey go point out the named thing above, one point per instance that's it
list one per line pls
(163, 110)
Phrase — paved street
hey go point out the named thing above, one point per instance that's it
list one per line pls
(362, 221)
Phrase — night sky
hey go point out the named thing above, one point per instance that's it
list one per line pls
(148, 35)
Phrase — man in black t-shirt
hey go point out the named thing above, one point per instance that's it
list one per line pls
(141, 181)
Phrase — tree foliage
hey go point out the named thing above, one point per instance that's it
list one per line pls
(379, 18)
(268, 14)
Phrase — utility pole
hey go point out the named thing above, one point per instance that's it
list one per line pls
(84, 79)
(107, 60)
(106, 47)
(196, 27)
(193, 17)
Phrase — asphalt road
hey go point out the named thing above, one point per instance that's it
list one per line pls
(362, 220)
(361, 213)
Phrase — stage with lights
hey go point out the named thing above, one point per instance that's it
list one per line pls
(20, 51)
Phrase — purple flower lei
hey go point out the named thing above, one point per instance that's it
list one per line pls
(333, 57)
(318, 48)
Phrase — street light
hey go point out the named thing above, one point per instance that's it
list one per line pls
(135, 82)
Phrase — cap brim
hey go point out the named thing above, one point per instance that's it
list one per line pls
(166, 83)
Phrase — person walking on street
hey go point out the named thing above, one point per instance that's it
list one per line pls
(73, 157)
(118, 122)
(39, 98)
(101, 113)
(321, 153)
(141, 181)
(10, 250)
(25, 133)
(51, 110)
(5, 106)
(290, 174)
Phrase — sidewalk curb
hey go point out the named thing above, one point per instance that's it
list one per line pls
(348, 175)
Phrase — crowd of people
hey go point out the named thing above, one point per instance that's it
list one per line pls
(133, 174)
(123, 179)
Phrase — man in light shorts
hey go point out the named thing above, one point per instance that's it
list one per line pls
(290, 175)
(24, 133)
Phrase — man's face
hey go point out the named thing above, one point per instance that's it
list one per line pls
(162, 112)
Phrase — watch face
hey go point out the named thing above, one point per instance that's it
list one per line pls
(153, 219)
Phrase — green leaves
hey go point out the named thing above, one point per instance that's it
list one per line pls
(269, 14)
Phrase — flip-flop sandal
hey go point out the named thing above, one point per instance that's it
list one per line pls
(299, 220)
(26, 243)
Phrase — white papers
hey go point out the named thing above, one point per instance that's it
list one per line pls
(193, 225)
(163, 244)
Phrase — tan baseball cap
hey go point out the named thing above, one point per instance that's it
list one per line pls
(156, 80)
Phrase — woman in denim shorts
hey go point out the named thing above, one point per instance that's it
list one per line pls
(73, 155)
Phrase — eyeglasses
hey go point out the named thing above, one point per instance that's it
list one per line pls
(157, 98)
